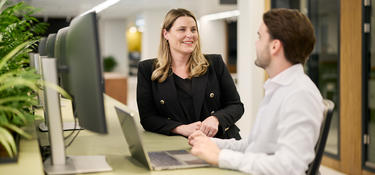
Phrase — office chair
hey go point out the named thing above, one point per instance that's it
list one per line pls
(321, 143)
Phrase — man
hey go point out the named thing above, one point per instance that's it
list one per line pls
(288, 121)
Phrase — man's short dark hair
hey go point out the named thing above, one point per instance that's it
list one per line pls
(294, 30)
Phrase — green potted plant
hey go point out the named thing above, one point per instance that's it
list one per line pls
(109, 63)
(18, 82)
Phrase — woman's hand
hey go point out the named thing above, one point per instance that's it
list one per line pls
(210, 126)
(187, 130)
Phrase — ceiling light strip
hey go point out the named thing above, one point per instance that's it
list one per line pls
(101, 6)
(220, 15)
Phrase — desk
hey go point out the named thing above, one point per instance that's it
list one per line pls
(114, 146)
(29, 159)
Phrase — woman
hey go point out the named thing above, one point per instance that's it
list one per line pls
(183, 90)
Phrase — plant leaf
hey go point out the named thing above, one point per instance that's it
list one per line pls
(14, 52)
(17, 130)
(57, 88)
(2, 4)
(17, 98)
(19, 82)
(7, 140)
(15, 111)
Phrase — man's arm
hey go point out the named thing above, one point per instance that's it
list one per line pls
(298, 128)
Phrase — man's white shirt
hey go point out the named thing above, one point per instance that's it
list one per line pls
(285, 131)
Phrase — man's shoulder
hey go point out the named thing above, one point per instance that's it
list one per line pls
(305, 88)
(301, 85)
(305, 83)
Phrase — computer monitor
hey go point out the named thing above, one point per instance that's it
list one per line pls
(42, 48)
(56, 47)
(85, 73)
(60, 55)
(50, 45)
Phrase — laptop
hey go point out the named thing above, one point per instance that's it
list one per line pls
(160, 160)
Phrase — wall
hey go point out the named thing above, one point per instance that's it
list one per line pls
(250, 77)
(151, 34)
(213, 37)
(113, 42)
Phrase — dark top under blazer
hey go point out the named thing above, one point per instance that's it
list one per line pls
(214, 93)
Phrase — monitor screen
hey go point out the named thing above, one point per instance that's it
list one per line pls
(42, 47)
(50, 45)
(85, 72)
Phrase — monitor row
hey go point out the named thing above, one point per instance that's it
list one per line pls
(78, 64)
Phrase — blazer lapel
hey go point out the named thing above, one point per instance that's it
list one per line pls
(199, 85)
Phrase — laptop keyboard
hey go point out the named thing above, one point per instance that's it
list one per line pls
(162, 159)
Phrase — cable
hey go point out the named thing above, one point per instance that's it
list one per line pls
(74, 129)
(72, 140)
(75, 125)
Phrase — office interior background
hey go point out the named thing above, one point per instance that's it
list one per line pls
(342, 64)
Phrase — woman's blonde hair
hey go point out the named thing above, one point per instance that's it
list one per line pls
(197, 63)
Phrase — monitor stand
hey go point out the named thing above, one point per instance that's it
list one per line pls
(67, 126)
(36, 62)
(77, 164)
(59, 163)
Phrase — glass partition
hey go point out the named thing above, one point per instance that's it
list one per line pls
(369, 88)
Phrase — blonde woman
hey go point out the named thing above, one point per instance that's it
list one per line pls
(182, 90)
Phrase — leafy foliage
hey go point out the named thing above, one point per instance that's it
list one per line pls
(18, 83)
(16, 27)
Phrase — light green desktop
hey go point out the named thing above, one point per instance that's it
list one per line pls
(112, 145)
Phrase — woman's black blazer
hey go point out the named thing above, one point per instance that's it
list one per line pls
(214, 93)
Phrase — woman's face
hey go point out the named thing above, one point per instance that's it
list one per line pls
(182, 36)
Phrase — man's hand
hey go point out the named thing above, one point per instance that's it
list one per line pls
(187, 130)
(210, 126)
(204, 147)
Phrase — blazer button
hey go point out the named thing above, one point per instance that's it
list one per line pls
(226, 129)
(212, 95)
(162, 102)
(212, 112)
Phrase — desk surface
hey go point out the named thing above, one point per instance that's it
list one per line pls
(29, 159)
(114, 146)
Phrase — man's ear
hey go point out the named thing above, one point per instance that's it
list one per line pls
(165, 34)
(276, 46)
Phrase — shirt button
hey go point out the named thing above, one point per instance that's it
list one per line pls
(212, 112)
(212, 95)
(162, 102)
(226, 129)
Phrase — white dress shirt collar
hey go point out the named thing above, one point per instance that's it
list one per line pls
(283, 78)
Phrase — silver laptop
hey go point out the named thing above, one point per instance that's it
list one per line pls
(172, 159)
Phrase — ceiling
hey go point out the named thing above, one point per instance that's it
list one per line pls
(124, 8)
